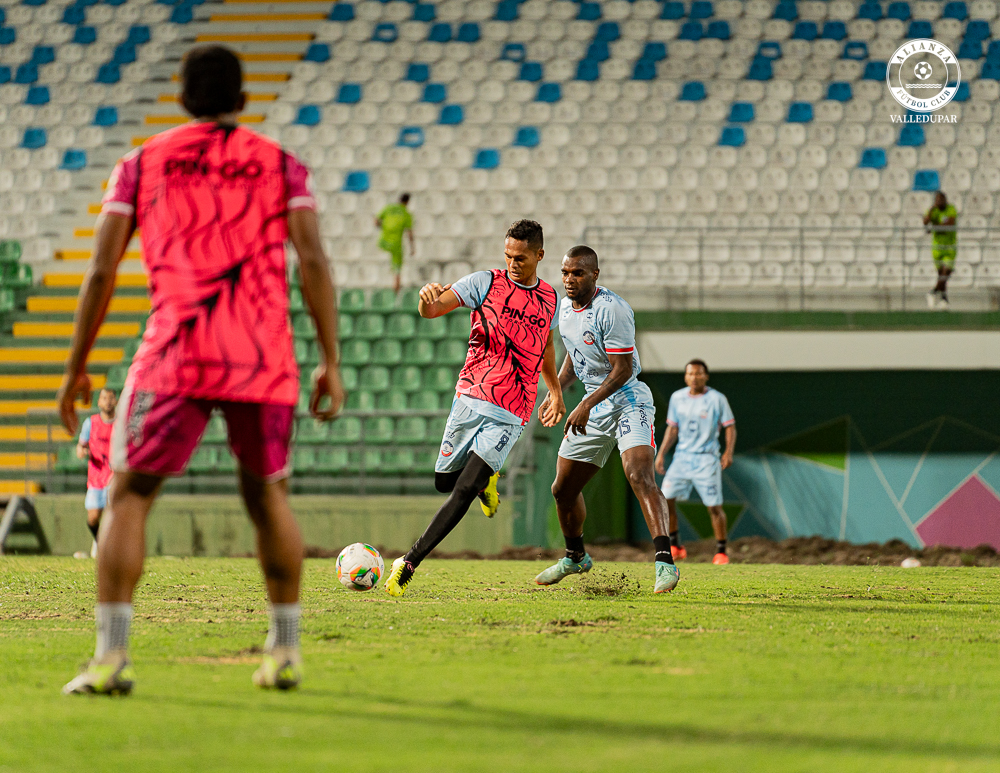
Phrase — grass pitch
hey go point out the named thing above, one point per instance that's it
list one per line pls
(742, 668)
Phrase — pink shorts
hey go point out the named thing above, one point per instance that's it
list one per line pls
(157, 434)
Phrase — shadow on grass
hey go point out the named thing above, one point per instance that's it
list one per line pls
(461, 713)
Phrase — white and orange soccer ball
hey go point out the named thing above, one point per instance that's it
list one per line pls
(359, 567)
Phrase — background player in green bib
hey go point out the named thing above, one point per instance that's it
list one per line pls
(944, 246)
(394, 220)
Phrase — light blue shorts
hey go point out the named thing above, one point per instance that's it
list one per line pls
(96, 499)
(703, 472)
(626, 426)
(468, 431)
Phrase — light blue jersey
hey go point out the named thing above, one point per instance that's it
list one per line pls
(605, 326)
(698, 419)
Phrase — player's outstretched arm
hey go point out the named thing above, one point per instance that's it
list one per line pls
(621, 371)
(566, 377)
(552, 408)
(727, 455)
(113, 234)
(669, 438)
(321, 299)
(436, 300)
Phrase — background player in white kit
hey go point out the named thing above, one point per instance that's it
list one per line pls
(598, 330)
(694, 418)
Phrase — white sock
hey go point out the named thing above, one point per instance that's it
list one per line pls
(113, 623)
(284, 630)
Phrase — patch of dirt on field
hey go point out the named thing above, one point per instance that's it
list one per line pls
(748, 550)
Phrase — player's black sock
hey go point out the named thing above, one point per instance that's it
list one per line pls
(473, 479)
(675, 539)
(662, 547)
(720, 546)
(574, 549)
(93, 529)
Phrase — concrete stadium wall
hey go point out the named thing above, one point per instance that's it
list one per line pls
(183, 525)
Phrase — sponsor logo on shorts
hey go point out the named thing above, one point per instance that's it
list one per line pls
(447, 449)
(503, 442)
(588, 338)
(142, 403)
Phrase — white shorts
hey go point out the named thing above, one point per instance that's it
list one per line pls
(96, 499)
(626, 426)
(468, 431)
(703, 472)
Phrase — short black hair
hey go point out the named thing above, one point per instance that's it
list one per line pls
(587, 253)
(697, 362)
(109, 389)
(527, 231)
(404, 199)
(212, 81)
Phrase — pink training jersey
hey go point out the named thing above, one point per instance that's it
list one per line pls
(99, 445)
(212, 203)
(510, 330)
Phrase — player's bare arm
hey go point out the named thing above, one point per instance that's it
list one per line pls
(321, 300)
(553, 408)
(111, 240)
(566, 377)
(436, 300)
(621, 372)
(669, 438)
(727, 455)
(82, 451)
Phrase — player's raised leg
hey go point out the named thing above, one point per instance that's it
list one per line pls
(638, 465)
(567, 490)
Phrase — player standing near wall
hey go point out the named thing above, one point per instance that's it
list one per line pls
(94, 446)
(694, 418)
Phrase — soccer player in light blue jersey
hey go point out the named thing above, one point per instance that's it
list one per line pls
(598, 329)
(695, 417)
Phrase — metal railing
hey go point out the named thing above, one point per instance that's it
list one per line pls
(793, 268)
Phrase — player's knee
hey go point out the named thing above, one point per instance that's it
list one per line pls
(444, 482)
(639, 478)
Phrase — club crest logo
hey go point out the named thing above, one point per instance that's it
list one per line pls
(447, 449)
(923, 75)
(588, 338)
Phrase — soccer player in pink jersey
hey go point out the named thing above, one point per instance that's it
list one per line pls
(94, 445)
(216, 203)
(513, 313)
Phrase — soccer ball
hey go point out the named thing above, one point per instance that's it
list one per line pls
(923, 70)
(359, 567)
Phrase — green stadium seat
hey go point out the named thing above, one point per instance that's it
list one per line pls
(440, 379)
(378, 429)
(387, 352)
(301, 347)
(345, 326)
(374, 378)
(424, 460)
(369, 326)
(216, 430)
(303, 327)
(331, 460)
(345, 430)
(116, 377)
(10, 251)
(203, 461)
(130, 348)
(66, 460)
(419, 351)
(434, 329)
(459, 325)
(294, 277)
(308, 431)
(360, 401)
(398, 460)
(8, 301)
(349, 377)
(411, 430)
(409, 298)
(451, 352)
(225, 461)
(383, 300)
(435, 427)
(370, 459)
(401, 326)
(393, 400)
(424, 400)
(406, 378)
(303, 461)
(16, 275)
(295, 302)
(302, 406)
(355, 352)
(352, 300)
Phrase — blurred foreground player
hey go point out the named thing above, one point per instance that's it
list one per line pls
(216, 203)
(694, 417)
(598, 330)
(513, 313)
(94, 446)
